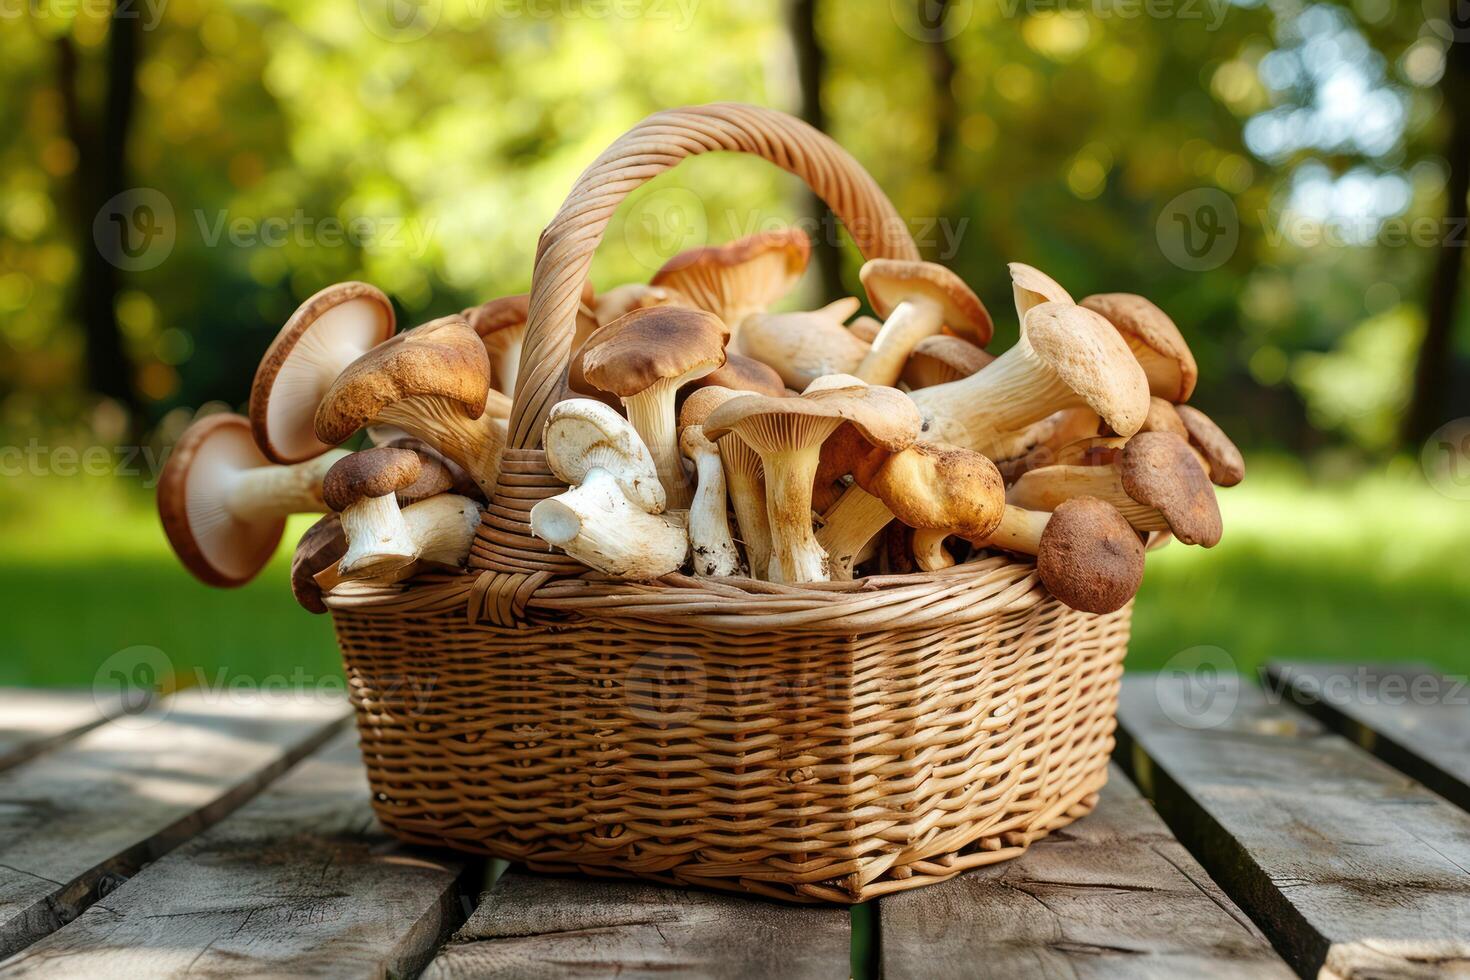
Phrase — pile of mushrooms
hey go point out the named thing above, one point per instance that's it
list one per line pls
(702, 431)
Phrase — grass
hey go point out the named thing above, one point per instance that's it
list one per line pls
(1372, 568)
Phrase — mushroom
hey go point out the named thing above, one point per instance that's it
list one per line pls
(741, 373)
(1087, 555)
(1162, 417)
(460, 482)
(710, 543)
(739, 279)
(941, 359)
(645, 358)
(326, 333)
(1223, 461)
(1156, 483)
(806, 345)
(1066, 357)
(632, 296)
(501, 324)
(788, 434)
(937, 490)
(1042, 443)
(224, 506)
(1031, 287)
(865, 328)
(1154, 340)
(745, 479)
(442, 529)
(433, 382)
(363, 488)
(588, 443)
(916, 300)
(321, 547)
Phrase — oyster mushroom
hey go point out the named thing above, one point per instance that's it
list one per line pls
(806, 345)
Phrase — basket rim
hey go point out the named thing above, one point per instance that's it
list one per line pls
(965, 593)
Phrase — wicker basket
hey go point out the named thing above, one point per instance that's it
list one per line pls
(830, 742)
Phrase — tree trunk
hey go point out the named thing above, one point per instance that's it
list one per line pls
(942, 69)
(811, 66)
(101, 174)
(1432, 374)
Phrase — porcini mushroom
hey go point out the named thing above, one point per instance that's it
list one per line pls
(739, 279)
(1156, 482)
(442, 529)
(363, 488)
(432, 382)
(1031, 287)
(745, 480)
(1223, 461)
(1087, 554)
(788, 434)
(321, 547)
(224, 506)
(1066, 357)
(941, 359)
(645, 358)
(632, 296)
(1154, 339)
(326, 333)
(710, 543)
(916, 300)
(806, 345)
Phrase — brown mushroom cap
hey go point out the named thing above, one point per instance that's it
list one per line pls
(741, 373)
(443, 358)
(941, 359)
(941, 487)
(635, 352)
(217, 548)
(1149, 330)
(368, 474)
(1093, 360)
(321, 547)
(1032, 287)
(303, 361)
(749, 273)
(460, 482)
(702, 401)
(624, 299)
(884, 416)
(1090, 558)
(890, 282)
(1227, 465)
(1162, 417)
(1158, 470)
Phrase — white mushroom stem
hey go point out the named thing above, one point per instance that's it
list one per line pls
(746, 481)
(910, 322)
(278, 491)
(848, 526)
(475, 444)
(652, 415)
(598, 526)
(930, 554)
(1019, 530)
(442, 530)
(1048, 488)
(981, 411)
(378, 540)
(790, 448)
(712, 547)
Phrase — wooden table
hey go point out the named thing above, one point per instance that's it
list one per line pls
(1315, 824)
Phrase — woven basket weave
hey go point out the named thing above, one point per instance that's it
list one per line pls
(829, 742)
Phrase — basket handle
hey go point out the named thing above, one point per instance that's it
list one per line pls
(564, 253)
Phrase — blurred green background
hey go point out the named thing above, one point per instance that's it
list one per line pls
(1286, 179)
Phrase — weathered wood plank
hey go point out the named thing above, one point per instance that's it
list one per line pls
(33, 721)
(76, 820)
(1408, 715)
(1348, 867)
(530, 927)
(301, 881)
(1113, 895)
